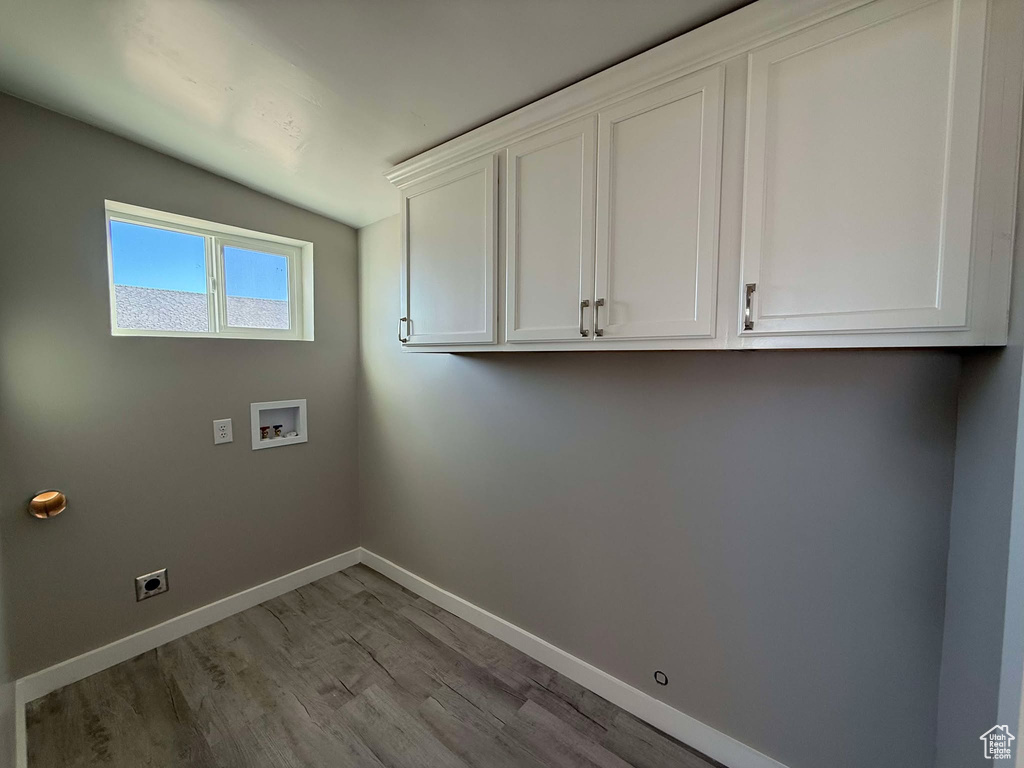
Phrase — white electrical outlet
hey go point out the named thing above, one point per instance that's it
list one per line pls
(150, 584)
(222, 431)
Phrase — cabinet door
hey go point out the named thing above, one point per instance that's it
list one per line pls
(549, 266)
(449, 256)
(862, 134)
(659, 160)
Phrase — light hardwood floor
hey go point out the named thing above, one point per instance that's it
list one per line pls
(352, 670)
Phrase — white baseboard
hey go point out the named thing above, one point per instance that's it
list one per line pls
(696, 734)
(80, 667)
(688, 730)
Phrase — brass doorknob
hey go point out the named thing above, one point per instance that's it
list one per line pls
(47, 504)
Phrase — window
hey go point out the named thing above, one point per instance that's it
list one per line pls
(172, 275)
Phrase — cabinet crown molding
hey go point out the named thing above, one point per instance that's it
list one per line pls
(724, 38)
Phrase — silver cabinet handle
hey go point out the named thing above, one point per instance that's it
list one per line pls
(400, 321)
(597, 315)
(583, 305)
(748, 313)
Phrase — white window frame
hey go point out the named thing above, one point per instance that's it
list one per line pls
(216, 236)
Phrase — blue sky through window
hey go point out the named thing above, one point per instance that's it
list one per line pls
(150, 257)
(157, 258)
(255, 275)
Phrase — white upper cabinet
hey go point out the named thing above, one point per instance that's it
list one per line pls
(861, 153)
(659, 159)
(800, 173)
(449, 256)
(549, 235)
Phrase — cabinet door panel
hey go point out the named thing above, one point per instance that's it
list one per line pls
(862, 136)
(449, 254)
(659, 157)
(550, 232)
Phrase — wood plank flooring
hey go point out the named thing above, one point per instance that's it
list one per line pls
(352, 670)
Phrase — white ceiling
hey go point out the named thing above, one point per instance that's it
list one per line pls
(311, 101)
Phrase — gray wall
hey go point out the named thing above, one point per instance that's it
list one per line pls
(977, 569)
(983, 649)
(770, 528)
(8, 737)
(123, 425)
